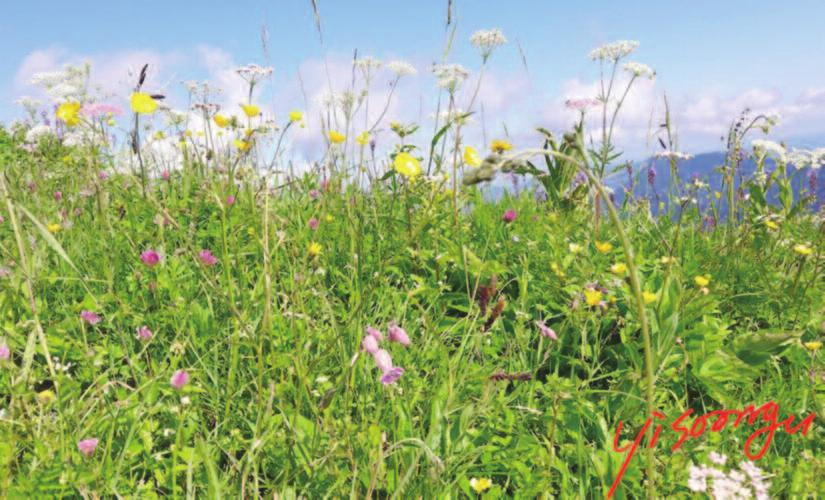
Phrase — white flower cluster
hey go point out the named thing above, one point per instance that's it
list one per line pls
(34, 134)
(402, 68)
(487, 40)
(28, 103)
(640, 70)
(764, 147)
(614, 51)
(70, 83)
(746, 482)
(367, 63)
(802, 158)
(673, 155)
(450, 76)
(253, 73)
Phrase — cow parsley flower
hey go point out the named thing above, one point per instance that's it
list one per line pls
(639, 70)
(450, 76)
(764, 147)
(34, 134)
(402, 68)
(367, 64)
(614, 51)
(487, 40)
(253, 73)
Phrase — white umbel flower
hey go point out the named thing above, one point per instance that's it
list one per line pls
(37, 132)
(802, 158)
(450, 76)
(764, 147)
(487, 40)
(640, 70)
(367, 64)
(673, 155)
(402, 68)
(253, 73)
(614, 51)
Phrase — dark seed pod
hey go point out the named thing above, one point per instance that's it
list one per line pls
(142, 77)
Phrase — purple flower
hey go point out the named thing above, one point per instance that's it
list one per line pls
(150, 257)
(313, 193)
(509, 216)
(313, 223)
(230, 200)
(88, 446)
(392, 375)
(651, 175)
(89, 317)
(546, 331)
(383, 360)
(369, 344)
(179, 379)
(58, 196)
(375, 333)
(144, 333)
(398, 334)
(102, 175)
(207, 259)
(5, 353)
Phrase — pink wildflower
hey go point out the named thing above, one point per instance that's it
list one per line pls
(230, 200)
(89, 317)
(179, 379)
(313, 193)
(392, 375)
(375, 333)
(509, 216)
(398, 334)
(101, 109)
(207, 259)
(150, 257)
(369, 344)
(165, 174)
(144, 333)
(87, 446)
(5, 353)
(58, 196)
(102, 175)
(546, 331)
(383, 360)
(313, 223)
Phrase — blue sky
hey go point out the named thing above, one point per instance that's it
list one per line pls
(710, 56)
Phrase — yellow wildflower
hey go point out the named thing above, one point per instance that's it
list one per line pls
(159, 135)
(574, 247)
(329, 218)
(314, 249)
(592, 296)
(248, 132)
(667, 259)
(771, 224)
(295, 115)
(69, 113)
(604, 246)
(618, 268)
(557, 269)
(717, 194)
(471, 157)
(54, 227)
(480, 484)
(46, 397)
(499, 146)
(251, 110)
(242, 145)
(336, 137)
(407, 165)
(648, 297)
(803, 249)
(363, 138)
(702, 281)
(222, 121)
(143, 103)
(813, 346)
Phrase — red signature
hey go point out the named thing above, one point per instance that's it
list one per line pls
(769, 413)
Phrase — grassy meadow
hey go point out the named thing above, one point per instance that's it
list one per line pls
(188, 313)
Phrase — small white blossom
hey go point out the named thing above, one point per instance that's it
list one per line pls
(640, 70)
(614, 51)
(487, 40)
(450, 76)
(367, 63)
(37, 132)
(402, 68)
(253, 73)
(764, 147)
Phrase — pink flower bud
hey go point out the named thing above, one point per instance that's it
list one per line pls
(5, 353)
(150, 257)
(369, 344)
(398, 334)
(392, 375)
(383, 360)
(144, 333)
(546, 331)
(88, 446)
(179, 379)
(89, 317)
(375, 333)
(509, 216)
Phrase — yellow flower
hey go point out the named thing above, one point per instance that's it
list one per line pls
(295, 115)
(222, 121)
(363, 138)
(314, 249)
(329, 218)
(481, 484)
(251, 110)
(407, 165)
(248, 132)
(771, 224)
(336, 137)
(667, 260)
(69, 113)
(592, 296)
(813, 346)
(242, 145)
(471, 158)
(717, 194)
(702, 281)
(648, 297)
(111, 122)
(187, 133)
(499, 146)
(604, 246)
(802, 249)
(143, 103)
(618, 268)
(54, 228)
(574, 247)
(45, 397)
(159, 135)
(557, 269)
